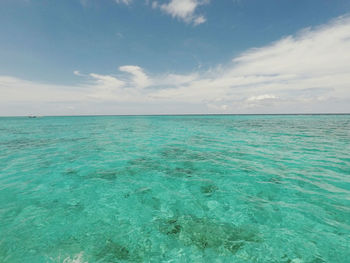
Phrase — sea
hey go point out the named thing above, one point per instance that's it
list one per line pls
(193, 188)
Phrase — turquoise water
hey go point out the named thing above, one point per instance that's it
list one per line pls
(175, 189)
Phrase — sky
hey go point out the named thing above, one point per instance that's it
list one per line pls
(101, 57)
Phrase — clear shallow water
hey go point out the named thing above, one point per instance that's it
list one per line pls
(175, 189)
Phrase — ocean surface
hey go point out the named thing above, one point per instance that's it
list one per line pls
(265, 188)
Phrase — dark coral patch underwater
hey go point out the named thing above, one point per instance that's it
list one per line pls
(205, 233)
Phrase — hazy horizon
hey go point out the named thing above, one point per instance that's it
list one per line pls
(185, 114)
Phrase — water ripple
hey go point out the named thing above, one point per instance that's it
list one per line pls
(175, 188)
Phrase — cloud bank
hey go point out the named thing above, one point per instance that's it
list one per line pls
(307, 72)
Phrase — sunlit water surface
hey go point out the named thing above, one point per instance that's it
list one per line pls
(175, 189)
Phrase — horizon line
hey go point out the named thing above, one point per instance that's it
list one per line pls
(184, 114)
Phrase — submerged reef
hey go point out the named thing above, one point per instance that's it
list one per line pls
(106, 175)
(209, 189)
(173, 152)
(113, 252)
(206, 233)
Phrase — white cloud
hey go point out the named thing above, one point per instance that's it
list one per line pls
(308, 72)
(262, 97)
(106, 81)
(175, 80)
(199, 20)
(184, 10)
(77, 73)
(139, 78)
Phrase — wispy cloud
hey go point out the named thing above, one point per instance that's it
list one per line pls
(84, 3)
(126, 2)
(308, 72)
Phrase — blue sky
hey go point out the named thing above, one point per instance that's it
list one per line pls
(173, 56)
